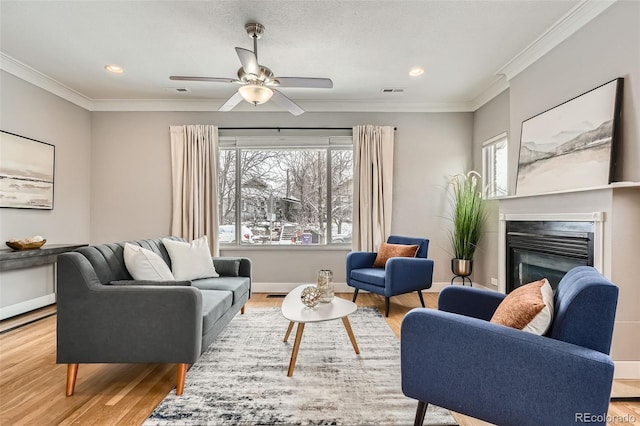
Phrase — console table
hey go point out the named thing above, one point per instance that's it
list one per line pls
(17, 259)
(11, 260)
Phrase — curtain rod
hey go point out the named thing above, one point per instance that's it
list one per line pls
(288, 128)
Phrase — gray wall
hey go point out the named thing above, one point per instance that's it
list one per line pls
(602, 50)
(490, 120)
(131, 186)
(32, 112)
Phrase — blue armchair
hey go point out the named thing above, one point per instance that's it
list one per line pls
(455, 358)
(400, 275)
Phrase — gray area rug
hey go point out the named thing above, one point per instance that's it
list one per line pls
(242, 378)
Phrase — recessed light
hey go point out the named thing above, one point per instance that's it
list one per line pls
(116, 69)
(416, 71)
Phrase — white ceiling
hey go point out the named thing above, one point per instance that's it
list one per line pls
(363, 46)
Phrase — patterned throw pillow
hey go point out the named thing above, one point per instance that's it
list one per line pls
(528, 308)
(387, 251)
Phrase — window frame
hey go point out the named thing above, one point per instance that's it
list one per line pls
(327, 143)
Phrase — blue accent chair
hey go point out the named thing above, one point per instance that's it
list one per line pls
(400, 275)
(455, 358)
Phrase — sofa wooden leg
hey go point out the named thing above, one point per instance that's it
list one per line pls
(181, 378)
(420, 412)
(421, 298)
(242, 310)
(386, 306)
(72, 373)
(355, 295)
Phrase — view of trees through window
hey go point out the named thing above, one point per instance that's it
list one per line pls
(494, 166)
(286, 196)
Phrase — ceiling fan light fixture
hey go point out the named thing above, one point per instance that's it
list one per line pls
(255, 93)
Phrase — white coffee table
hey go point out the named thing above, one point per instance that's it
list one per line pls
(294, 310)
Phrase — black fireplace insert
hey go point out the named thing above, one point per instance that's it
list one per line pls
(546, 249)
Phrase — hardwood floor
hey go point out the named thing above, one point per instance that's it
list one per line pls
(32, 385)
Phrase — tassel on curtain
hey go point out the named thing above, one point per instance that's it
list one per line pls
(194, 165)
(373, 185)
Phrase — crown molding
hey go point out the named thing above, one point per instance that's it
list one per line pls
(38, 79)
(575, 19)
(308, 105)
(499, 85)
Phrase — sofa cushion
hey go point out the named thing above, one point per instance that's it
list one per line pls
(387, 251)
(190, 261)
(143, 264)
(528, 308)
(227, 267)
(214, 305)
(237, 285)
(147, 282)
(373, 276)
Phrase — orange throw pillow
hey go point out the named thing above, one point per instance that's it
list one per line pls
(387, 251)
(528, 308)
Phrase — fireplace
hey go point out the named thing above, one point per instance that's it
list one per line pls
(546, 249)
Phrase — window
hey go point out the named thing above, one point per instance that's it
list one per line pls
(494, 166)
(285, 191)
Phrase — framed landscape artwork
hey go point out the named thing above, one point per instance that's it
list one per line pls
(571, 146)
(26, 172)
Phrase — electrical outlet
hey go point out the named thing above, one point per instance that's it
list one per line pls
(494, 281)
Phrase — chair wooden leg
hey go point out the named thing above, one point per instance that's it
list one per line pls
(72, 373)
(181, 377)
(420, 412)
(242, 309)
(386, 306)
(421, 299)
(355, 295)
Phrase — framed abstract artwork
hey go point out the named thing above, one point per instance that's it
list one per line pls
(571, 146)
(26, 172)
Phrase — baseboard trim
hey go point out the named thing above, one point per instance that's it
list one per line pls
(628, 370)
(265, 287)
(26, 306)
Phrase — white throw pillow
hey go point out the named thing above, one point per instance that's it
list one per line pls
(145, 265)
(190, 261)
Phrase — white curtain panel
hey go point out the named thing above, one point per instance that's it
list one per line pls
(373, 185)
(194, 172)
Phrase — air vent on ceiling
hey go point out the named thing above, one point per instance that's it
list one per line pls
(396, 90)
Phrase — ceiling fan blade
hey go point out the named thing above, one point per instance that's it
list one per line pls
(231, 102)
(316, 83)
(249, 61)
(284, 102)
(210, 79)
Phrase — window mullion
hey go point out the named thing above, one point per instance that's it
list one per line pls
(238, 211)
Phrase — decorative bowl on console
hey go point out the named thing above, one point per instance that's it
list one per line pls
(27, 244)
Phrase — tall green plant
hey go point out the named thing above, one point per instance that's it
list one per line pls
(468, 214)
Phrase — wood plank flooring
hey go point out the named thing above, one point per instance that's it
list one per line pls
(32, 385)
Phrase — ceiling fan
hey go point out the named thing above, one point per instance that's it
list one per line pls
(257, 81)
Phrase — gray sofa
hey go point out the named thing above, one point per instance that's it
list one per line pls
(104, 316)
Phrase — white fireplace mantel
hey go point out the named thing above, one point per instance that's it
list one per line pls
(614, 209)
